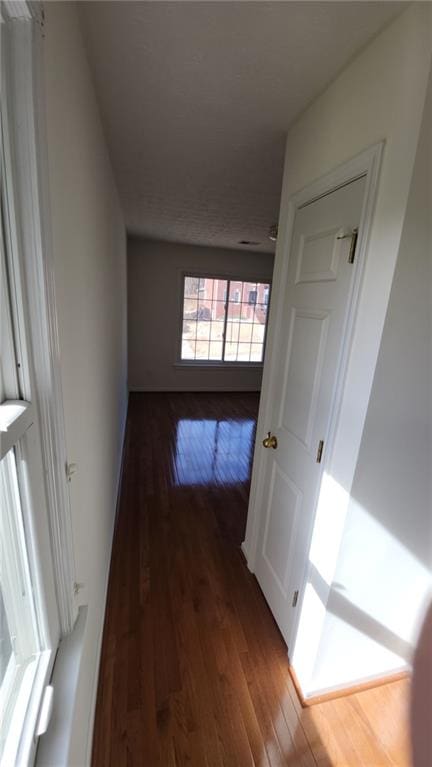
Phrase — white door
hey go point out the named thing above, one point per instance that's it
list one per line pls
(317, 299)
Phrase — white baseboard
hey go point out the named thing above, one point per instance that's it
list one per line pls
(192, 389)
(92, 712)
(95, 685)
(246, 555)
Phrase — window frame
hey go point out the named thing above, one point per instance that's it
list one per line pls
(228, 277)
(27, 555)
(27, 682)
(31, 410)
(24, 151)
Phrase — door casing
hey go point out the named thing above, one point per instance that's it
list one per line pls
(367, 164)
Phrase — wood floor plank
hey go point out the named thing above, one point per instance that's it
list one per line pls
(194, 670)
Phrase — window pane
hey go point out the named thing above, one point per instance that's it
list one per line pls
(261, 313)
(232, 331)
(243, 352)
(190, 308)
(256, 352)
(218, 310)
(258, 333)
(230, 352)
(206, 302)
(245, 332)
(203, 317)
(203, 330)
(202, 350)
(248, 289)
(215, 350)
(19, 636)
(188, 350)
(216, 331)
(5, 640)
(188, 339)
(191, 285)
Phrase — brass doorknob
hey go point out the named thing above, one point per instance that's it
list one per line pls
(270, 441)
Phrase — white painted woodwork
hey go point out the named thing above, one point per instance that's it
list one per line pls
(318, 294)
(379, 97)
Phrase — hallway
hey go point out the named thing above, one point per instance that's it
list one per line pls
(193, 668)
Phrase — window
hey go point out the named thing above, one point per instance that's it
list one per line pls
(29, 629)
(27, 636)
(30, 610)
(223, 320)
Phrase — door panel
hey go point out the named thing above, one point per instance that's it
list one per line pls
(303, 373)
(284, 507)
(314, 315)
(318, 257)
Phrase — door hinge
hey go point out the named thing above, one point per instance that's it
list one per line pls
(320, 451)
(295, 598)
(353, 245)
(70, 470)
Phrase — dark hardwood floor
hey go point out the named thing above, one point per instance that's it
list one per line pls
(193, 669)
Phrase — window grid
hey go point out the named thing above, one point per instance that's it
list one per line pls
(255, 342)
(235, 334)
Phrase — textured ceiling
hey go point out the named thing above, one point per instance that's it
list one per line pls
(196, 99)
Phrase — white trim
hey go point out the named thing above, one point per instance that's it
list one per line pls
(372, 679)
(217, 364)
(192, 389)
(16, 416)
(367, 164)
(24, 107)
(92, 714)
(246, 554)
(22, 10)
(54, 745)
(225, 276)
(34, 634)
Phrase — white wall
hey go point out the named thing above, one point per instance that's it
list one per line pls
(379, 96)
(154, 314)
(90, 278)
(383, 575)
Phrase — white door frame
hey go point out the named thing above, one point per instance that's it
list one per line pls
(342, 444)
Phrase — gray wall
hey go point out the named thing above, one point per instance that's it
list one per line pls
(383, 576)
(89, 244)
(154, 311)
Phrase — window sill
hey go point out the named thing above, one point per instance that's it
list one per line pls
(54, 745)
(219, 365)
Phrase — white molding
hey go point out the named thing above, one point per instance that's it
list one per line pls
(22, 10)
(28, 169)
(189, 390)
(371, 679)
(367, 163)
(16, 416)
(228, 277)
(217, 365)
(92, 713)
(245, 552)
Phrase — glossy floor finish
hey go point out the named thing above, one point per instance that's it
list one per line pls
(194, 670)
